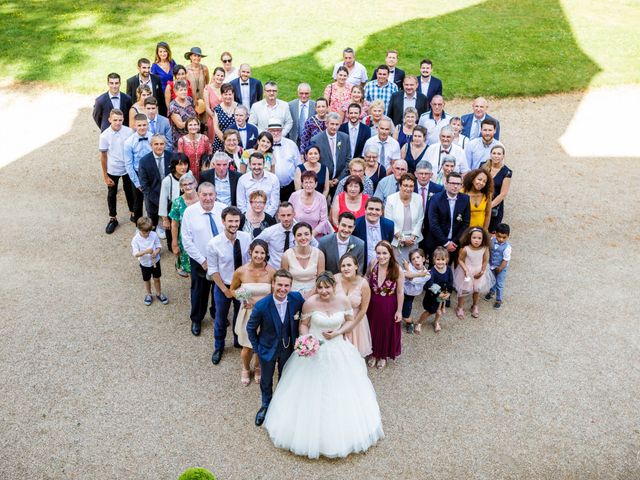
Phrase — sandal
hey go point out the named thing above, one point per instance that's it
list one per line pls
(417, 328)
(460, 313)
(245, 377)
(437, 327)
(371, 362)
(475, 313)
(257, 374)
(382, 363)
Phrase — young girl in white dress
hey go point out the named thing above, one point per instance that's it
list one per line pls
(325, 404)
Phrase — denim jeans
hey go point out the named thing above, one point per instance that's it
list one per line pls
(222, 311)
(498, 286)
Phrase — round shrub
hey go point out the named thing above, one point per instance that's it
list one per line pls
(196, 473)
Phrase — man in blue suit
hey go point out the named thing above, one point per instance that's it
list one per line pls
(109, 100)
(358, 132)
(428, 85)
(472, 122)
(372, 228)
(153, 167)
(449, 215)
(247, 90)
(427, 190)
(272, 330)
(157, 123)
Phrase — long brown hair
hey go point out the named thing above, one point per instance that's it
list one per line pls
(467, 182)
(393, 271)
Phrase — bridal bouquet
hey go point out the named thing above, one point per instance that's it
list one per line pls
(306, 345)
(243, 294)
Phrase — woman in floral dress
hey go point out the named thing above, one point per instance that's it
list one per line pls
(188, 185)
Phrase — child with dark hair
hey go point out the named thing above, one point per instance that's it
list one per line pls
(499, 259)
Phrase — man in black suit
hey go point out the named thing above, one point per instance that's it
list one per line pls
(395, 74)
(429, 85)
(247, 90)
(109, 100)
(225, 180)
(145, 77)
(358, 132)
(410, 97)
(154, 166)
(335, 151)
(446, 229)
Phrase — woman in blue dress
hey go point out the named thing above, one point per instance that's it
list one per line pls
(163, 64)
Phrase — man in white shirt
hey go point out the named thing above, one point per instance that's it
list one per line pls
(200, 223)
(388, 147)
(479, 149)
(286, 158)
(357, 72)
(111, 148)
(279, 237)
(389, 184)
(434, 119)
(257, 179)
(271, 107)
(226, 253)
(445, 146)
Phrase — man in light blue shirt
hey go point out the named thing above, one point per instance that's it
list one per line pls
(478, 150)
(136, 147)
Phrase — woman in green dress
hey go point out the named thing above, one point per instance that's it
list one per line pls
(188, 186)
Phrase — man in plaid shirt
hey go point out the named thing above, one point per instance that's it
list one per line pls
(380, 88)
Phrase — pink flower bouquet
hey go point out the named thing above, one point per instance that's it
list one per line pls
(306, 345)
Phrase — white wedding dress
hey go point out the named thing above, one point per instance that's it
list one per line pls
(325, 404)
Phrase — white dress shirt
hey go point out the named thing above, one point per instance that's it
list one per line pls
(282, 308)
(268, 183)
(374, 235)
(245, 93)
(261, 113)
(342, 246)
(433, 126)
(479, 152)
(196, 229)
(220, 255)
(357, 75)
(424, 86)
(409, 102)
(452, 207)
(391, 150)
(112, 142)
(223, 189)
(353, 137)
(286, 157)
(435, 152)
(274, 236)
(139, 244)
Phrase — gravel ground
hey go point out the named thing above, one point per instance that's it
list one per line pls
(96, 385)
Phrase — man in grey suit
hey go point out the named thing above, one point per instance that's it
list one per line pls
(335, 151)
(157, 123)
(301, 109)
(334, 246)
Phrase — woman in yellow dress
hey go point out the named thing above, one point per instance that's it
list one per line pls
(479, 186)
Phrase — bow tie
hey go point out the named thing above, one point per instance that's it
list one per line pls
(245, 83)
(143, 139)
(114, 98)
(277, 144)
(444, 151)
(242, 129)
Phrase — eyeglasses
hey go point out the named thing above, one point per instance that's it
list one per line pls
(227, 60)
(455, 184)
(257, 202)
(271, 91)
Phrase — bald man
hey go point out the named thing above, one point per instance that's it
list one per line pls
(471, 122)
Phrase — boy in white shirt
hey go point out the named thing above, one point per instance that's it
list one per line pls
(145, 246)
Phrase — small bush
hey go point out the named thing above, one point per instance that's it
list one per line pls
(196, 473)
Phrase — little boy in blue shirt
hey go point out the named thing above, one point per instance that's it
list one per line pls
(499, 259)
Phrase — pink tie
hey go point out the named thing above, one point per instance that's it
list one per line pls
(423, 196)
(332, 141)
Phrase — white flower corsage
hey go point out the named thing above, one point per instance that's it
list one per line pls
(339, 144)
(459, 218)
(296, 317)
(350, 247)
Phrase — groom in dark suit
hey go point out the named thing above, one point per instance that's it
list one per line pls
(272, 331)
(446, 229)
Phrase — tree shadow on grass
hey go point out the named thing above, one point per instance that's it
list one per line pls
(48, 41)
(496, 48)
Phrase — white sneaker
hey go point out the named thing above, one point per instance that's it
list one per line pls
(161, 233)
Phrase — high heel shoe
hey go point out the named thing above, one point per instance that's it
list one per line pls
(245, 377)
(382, 363)
(257, 374)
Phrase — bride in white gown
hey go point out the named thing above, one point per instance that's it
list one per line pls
(325, 404)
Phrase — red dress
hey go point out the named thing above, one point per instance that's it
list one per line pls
(386, 334)
(342, 205)
(195, 151)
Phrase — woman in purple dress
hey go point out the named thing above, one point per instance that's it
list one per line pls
(385, 307)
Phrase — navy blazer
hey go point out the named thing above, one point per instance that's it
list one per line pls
(103, 107)
(364, 134)
(440, 219)
(397, 79)
(434, 188)
(435, 88)
(150, 180)
(395, 111)
(252, 135)
(265, 317)
(210, 176)
(156, 88)
(255, 90)
(360, 231)
(467, 121)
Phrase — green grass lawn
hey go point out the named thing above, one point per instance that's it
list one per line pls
(495, 48)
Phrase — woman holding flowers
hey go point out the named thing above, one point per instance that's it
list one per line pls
(250, 283)
(338, 414)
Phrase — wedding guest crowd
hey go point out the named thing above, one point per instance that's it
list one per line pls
(371, 179)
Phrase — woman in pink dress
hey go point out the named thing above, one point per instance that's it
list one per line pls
(194, 145)
(338, 93)
(212, 98)
(385, 307)
(352, 285)
(357, 96)
(310, 205)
